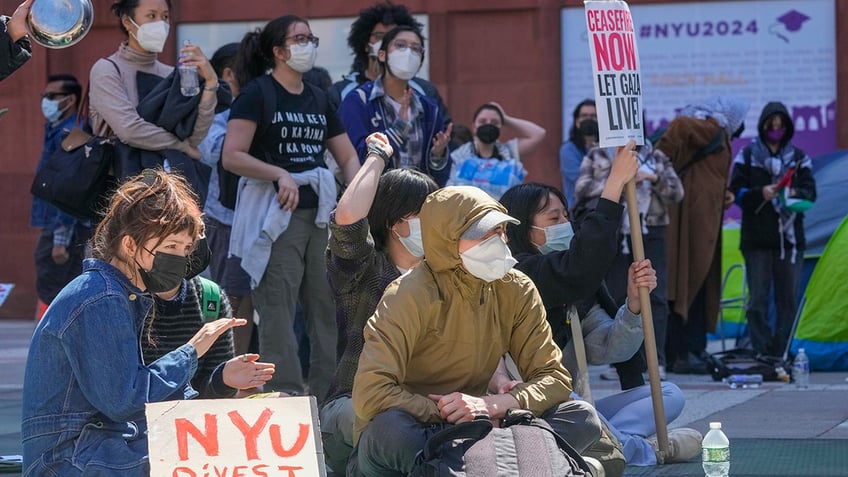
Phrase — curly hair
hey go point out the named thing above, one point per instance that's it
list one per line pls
(386, 13)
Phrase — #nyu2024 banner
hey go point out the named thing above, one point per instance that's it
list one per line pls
(760, 50)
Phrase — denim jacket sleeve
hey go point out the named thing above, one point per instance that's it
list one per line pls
(102, 344)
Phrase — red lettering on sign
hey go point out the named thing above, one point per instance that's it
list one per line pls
(250, 433)
(290, 469)
(277, 442)
(614, 51)
(207, 439)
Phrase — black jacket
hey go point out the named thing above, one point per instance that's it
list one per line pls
(567, 277)
(760, 222)
(13, 54)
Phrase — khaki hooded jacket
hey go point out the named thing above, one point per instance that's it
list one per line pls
(438, 329)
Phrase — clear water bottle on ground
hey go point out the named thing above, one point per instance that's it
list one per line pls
(189, 83)
(715, 452)
(744, 381)
(801, 369)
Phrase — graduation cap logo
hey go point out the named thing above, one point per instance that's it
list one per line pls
(789, 22)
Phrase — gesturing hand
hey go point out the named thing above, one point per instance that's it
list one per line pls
(209, 333)
(440, 142)
(380, 141)
(245, 372)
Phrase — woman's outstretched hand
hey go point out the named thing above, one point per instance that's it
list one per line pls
(206, 336)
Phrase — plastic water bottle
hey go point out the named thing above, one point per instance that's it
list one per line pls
(715, 452)
(189, 83)
(744, 381)
(801, 370)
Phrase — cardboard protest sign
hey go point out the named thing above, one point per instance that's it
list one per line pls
(616, 72)
(235, 438)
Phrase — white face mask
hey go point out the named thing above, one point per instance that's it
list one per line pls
(404, 63)
(374, 48)
(152, 36)
(489, 260)
(302, 57)
(50, 109)
(557, 237)
(413, 243)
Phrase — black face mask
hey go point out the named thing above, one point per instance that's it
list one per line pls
(166, 274)
(588, 127)
(488, 133)
(199, 259)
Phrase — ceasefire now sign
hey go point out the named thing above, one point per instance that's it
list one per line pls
(616, 72)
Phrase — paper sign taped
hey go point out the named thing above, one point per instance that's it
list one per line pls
(273, 437)
(5, 290)
(616, 72)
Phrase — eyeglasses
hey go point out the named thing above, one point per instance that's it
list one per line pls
(302, 40)
(52, 96)
(402, 45)
(378, 35)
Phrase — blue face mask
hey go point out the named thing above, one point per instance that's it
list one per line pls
(413, 243)
(557, 238)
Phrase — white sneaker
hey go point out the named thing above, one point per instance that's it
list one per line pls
(662, 373)
(683, 445)
(610, 374)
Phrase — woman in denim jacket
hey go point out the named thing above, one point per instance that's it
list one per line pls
(86, 385)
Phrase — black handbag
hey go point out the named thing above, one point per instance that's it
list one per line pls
(76, 178)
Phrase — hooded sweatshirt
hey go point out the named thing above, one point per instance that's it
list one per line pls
(769, 226)
(439, 329)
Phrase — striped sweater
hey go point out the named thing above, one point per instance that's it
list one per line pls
(174, 322)
(358, 275)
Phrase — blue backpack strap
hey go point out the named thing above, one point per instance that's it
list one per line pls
(210, 304)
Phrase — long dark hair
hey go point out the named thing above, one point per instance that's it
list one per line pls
(574, 134)
(523, 202)
(401, 192)
(256, 50)
(386, 13)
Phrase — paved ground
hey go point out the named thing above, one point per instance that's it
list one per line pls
(773, 411)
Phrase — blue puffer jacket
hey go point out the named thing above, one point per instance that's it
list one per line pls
(86, 384)
(362, 113)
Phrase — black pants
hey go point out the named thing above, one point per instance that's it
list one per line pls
(50, 276)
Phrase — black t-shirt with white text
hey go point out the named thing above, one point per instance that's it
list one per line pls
(300, 127)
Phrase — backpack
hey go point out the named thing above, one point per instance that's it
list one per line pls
(746, 361)
(525, 446)
(714, 145)
(210, 299)
(228, 181)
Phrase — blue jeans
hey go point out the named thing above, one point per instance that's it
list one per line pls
(388, 446)
(764, 269)
(630, 415)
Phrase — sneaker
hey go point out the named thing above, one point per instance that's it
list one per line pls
(683, 445)
(595, 465)
(661, 368)
(610, 374)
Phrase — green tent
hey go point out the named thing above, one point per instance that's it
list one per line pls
(823, 324)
